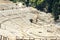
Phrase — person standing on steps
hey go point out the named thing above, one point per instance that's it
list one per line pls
(35, 18)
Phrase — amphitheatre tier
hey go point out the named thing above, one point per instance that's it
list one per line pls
(5, 1)
(15, 24)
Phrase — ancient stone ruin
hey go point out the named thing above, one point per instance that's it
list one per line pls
(26, 23)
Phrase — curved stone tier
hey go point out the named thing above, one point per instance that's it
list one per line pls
(10, 6)
(15, 24)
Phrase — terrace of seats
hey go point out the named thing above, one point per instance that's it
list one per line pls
(16, 22)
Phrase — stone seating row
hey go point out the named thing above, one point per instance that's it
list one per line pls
(9, 6)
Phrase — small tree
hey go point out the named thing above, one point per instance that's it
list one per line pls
(56, 9)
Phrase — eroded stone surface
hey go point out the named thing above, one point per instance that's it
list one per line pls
(16, 23)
